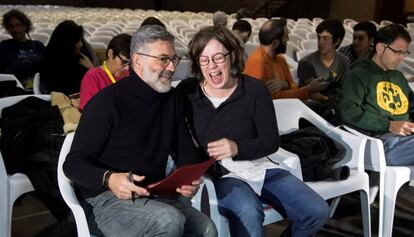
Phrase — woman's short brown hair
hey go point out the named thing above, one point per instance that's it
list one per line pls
(226, 38)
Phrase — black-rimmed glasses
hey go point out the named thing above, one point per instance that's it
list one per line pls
(398, 52)
(165, 60)
(216, 58)
(124, 62)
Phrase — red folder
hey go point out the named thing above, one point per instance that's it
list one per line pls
(181, 176)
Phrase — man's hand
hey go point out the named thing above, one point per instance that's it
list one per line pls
(276, 85)
(317, 85)
(401, 128)
(223, 148)
(122, 188)
(190, 190)
(319, 97)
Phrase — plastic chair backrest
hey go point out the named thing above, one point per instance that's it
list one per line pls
(68, 192)
(11, 77)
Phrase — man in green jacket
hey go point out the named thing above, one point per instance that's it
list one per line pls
(376, 99)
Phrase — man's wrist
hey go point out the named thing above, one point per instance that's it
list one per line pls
(105, 179)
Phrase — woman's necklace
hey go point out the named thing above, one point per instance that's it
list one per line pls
(230, 90)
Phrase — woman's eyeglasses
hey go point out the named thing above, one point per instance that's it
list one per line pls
(124, 62)
(216, 58)
(165, 60)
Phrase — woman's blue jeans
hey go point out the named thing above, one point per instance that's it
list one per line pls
(288, 195)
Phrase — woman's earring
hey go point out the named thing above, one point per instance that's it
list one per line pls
(234, 71)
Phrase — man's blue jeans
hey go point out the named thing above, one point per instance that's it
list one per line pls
(398, 150)
(109, 216)
(284, 192)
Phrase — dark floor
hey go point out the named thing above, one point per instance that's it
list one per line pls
(30, 216)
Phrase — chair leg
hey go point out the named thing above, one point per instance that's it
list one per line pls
(334, 205)
(392, 185)
(5, 213)
(373, 185)
(366, 213)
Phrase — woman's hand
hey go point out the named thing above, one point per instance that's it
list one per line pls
(190, 190)
(122, 188)
(221, 149)
(84, 61)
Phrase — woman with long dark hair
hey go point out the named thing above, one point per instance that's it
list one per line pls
(63, 65)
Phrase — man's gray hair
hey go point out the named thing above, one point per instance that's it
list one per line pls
(148, 34)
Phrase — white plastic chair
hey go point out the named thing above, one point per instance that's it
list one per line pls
(288, 113)
(346, 41)
(11, 77)
(100, 38)
(391, 178)
(11, 186)
(38, 88)
(303, 53)
(283, 157)
(291, 49)
(250, 47)
(68, 192)
(311, 44)
(104, 33)
(42, 37)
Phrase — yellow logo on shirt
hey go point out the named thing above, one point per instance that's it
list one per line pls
(391, 98)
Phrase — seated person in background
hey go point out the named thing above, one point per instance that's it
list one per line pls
(152, 21)
(20, 55)
(267, 64)
(112, 70)
(220, 19)
(232, 118)
(243, 13)
(63, 65)
(375, 98)
(133, 126)
(325, 63)
(242, 29)
(364, 33)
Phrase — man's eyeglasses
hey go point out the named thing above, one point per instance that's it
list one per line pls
(165, 60)
(398, 52)
(124, 62)
(216, 58)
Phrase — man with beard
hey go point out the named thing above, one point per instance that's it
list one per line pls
(267, 64)
(122, 144)
(325, 63)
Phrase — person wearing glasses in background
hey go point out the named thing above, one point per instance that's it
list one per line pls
(20, 55)
(233, 119)
(126, 133)
(376, 99)
(112, 70)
